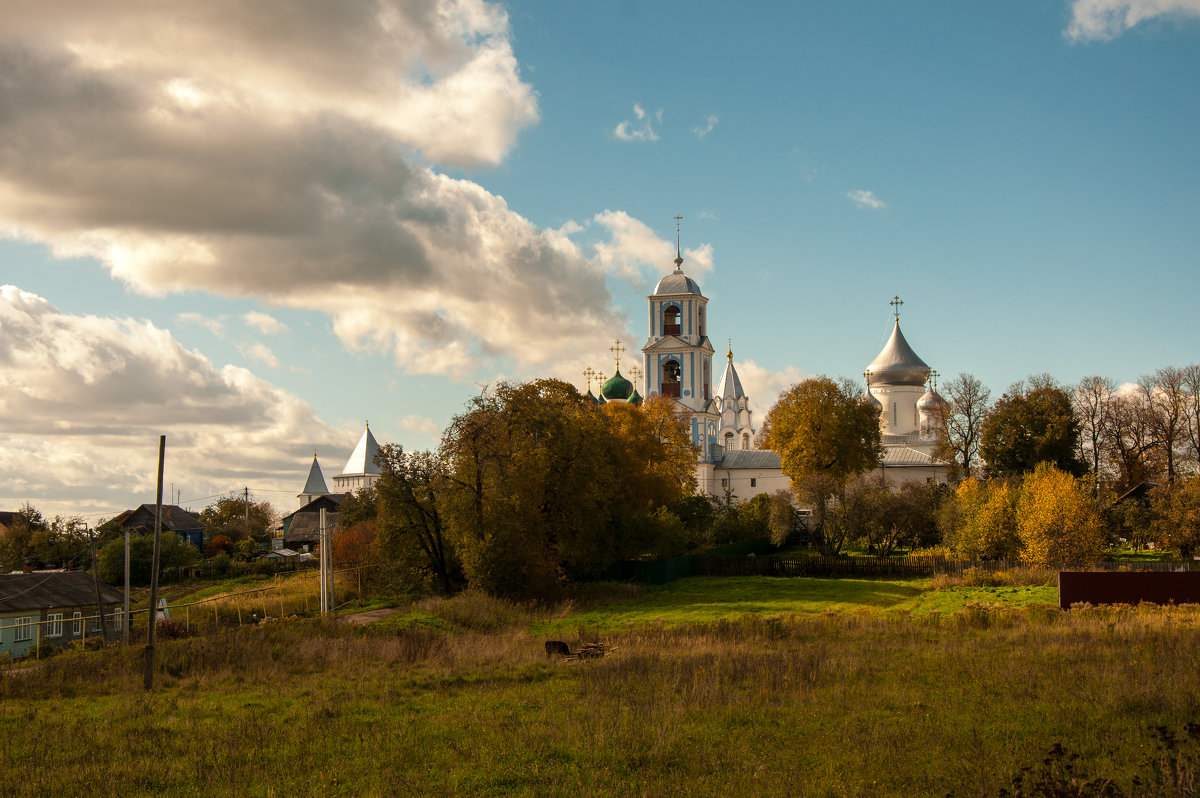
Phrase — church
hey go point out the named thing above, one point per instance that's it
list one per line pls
(300, 529)
(677, 362)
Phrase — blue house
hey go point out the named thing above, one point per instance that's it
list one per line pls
(54, 607)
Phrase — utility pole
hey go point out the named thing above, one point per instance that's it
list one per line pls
(149, 675)
(128, 621)
(96, 579)
(247, 489)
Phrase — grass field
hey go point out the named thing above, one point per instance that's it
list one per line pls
(716, 687)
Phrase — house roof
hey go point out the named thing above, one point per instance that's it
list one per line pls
(748, 458)
(50, 589)
(906, 456)
(174, 518)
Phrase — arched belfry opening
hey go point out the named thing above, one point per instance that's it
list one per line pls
(670, 378)
(671, 324)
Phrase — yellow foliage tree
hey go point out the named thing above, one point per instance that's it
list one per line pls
(1057, 519)
(982, 521)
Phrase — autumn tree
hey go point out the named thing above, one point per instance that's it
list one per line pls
(979, 521)
(1032, 423)
(1191, 381)
(237, 517)
(409, 522)
(1058, 520)
(968, 403)
(354, 549)
(1176, 511)
(783, 519)
(821, 427)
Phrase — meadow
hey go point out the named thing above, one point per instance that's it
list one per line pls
(715, 687)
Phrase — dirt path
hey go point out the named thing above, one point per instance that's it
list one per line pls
(371, 615)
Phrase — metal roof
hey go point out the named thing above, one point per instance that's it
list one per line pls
(362, 459)
(52, 589)
(316, 480)
(748, 458)
(900, 456)
(677, 283)
(730, 387)
(897, 363)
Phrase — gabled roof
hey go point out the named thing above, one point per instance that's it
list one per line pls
(174, 518)
(362, 459)
(906, 456)
(51, 589)
(673, 343)
(316, 480)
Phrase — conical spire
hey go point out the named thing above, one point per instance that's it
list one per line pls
(362, 459)
(315, 484)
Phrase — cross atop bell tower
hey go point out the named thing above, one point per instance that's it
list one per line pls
(896, 303)
(678, 256)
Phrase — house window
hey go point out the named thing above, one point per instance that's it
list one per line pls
(118, 620)
(77, 623)
(55, 627)
(753, 482)
(24, 629)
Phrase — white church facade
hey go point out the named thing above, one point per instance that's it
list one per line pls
(677, 360)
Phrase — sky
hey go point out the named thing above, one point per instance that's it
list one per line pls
(253, 227)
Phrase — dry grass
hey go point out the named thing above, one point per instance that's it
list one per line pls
(1012, 577)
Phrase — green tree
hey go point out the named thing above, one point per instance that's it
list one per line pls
(821, 427)
(410, 527)
(1058, 520)
(358, 506)
(173, 551)
(783, 520)
(17, 542)
(1032, 423)
(227, 516)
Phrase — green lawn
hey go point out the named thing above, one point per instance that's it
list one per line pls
(704, 599)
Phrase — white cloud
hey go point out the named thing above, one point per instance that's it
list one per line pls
(1101, 20)
(640, 129)
(709, 123)
(263, 322)
(287, 169)
(635, 252)
(422, 426)
(214, 326)
(866, 199)
(763, 387)
(259, 352)
(87, 397)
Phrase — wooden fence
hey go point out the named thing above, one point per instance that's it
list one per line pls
(819, 565)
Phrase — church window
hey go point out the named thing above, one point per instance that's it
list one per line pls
(671, 320)
(701, 321)
(753, 482)
(729, 441)
(670, 378)
(894, 406)
(707, 377)
(745, 440)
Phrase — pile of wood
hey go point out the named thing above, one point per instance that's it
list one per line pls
(557, 648)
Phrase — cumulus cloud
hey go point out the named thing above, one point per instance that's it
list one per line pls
(214, 326)
(86, 398)
(263, 322)
(259, 352)
(1102, 20)
(423, 426)
(233, 154)
(635, 252)
(866, 200)
(639, 128)
(703, 130)
(764, 386)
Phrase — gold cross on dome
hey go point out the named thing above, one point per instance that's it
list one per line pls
(896, 303)
(617, 350)
(636, 373)
(589, 372)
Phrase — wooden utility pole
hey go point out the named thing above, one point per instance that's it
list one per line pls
(128, 620)
(162, 452)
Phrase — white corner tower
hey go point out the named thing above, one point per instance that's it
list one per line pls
(736, 429)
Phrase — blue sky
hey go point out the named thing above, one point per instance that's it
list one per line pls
(252, 237)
